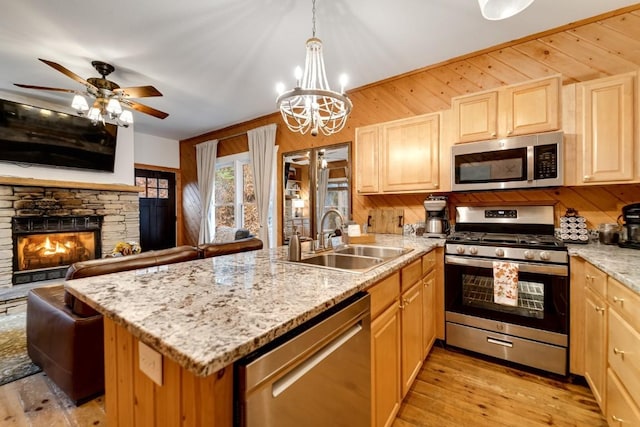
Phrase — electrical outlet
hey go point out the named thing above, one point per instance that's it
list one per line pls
(150, 362)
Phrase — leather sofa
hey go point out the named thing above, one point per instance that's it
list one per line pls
(65, 335)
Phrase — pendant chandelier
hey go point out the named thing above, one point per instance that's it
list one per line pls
(312, 105)
(495, 10)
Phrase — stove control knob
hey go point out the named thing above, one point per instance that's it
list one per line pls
(460, 249)
(473, 250)
(528, 254)
(544, 255)
(500, 252)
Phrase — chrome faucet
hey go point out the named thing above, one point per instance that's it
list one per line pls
(320, 227)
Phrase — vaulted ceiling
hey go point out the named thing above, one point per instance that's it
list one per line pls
(217, 61)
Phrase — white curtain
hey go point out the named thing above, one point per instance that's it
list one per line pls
(206, 164)
(262, 151)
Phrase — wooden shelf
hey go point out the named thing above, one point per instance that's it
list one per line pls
(32, 182)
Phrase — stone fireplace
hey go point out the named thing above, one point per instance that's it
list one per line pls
(43, 229)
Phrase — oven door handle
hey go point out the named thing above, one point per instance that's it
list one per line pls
(527, 267)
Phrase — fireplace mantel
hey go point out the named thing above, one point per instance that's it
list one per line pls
(32, 182)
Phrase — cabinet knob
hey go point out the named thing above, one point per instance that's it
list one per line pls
(620, 300)
(617, 419)
(600, 309)
(509, 132)
(617, 351)
(493, 134)
(587, 178)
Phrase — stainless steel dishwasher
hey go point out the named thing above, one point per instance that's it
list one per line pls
(317, 375)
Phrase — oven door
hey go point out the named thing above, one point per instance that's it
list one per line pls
(543, 293)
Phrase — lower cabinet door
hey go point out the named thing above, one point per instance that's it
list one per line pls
(385, 366)
(412, 349)
(621, 411)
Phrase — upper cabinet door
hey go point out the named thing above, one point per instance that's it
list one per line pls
(366, 159)
(475, 116)
(410, 154)
(531, 107)
(605, 125)
(519, 109)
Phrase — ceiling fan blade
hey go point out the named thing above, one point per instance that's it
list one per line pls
(145, 109)
(55, 89)
(66, 72)
(137, 92)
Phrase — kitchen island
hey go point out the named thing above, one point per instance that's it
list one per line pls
(201, 317)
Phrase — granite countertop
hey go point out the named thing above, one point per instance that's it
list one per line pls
(620, 263)
(208, 313)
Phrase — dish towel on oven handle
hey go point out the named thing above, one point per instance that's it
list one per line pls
(505, 283)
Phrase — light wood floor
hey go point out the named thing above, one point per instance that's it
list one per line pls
(452, 389)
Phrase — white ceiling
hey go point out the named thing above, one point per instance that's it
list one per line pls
(217, 61)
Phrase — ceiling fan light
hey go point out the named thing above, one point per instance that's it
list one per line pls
(114, 108)
(94, 115)
(495, 10)
(79, 104)
(126, 118)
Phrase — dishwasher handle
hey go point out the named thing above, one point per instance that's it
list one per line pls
(299, 371)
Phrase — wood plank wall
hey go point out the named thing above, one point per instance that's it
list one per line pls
(597, 47)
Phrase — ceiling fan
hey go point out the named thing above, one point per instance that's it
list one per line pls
(108, 96)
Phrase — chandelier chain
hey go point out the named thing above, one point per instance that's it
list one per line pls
(313, 17)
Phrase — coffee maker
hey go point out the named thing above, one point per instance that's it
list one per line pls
(631, 226)
(436, 217)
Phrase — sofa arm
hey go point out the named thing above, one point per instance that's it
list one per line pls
(209, 250)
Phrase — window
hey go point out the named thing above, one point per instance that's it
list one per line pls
(152, 188)
(234, 198)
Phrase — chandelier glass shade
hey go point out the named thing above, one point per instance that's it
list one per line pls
(495, 10)
(312, 105)
(103, 108)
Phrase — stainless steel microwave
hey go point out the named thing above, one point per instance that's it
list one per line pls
(519, 162)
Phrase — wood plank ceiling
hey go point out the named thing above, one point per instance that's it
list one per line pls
(601, 46)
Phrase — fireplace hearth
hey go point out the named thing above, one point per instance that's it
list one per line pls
(45, 246)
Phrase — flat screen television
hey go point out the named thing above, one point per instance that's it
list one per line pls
(35, 135)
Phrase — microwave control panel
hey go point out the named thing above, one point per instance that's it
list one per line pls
(546, 161)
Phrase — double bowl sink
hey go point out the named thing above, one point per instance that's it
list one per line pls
(355, 258)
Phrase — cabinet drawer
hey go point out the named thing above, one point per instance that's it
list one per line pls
(411, 274)
(384, 293)
(623, 353)
(621, 411)
(428, 262)
(625, 301)
(595, 279)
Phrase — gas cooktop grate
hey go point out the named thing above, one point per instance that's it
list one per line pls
(477, 291)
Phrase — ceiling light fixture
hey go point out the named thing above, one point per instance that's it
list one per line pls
(312, 105)
(495, 10)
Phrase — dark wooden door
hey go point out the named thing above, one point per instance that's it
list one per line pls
(157, 209)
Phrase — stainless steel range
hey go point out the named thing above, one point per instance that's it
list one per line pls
(507, 286)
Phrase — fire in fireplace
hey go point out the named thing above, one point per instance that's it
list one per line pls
(44, 247)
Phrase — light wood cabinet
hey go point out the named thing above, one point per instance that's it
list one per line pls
(411, 322)
(402, 156)
(428, 312)
(621, 410)
(577, 284)
(595, 360)
(385, 365)
(386, 353)
(403, 330)
(611, 343)
(475, 116)
(607, 140)
(595, 321)
(366, 159)
(520, 109)
(623, 348)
